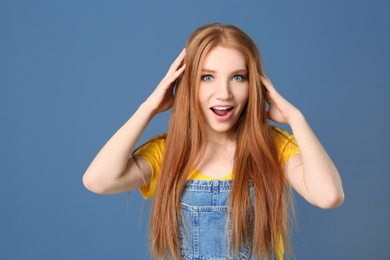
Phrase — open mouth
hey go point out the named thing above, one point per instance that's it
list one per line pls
(221, 111)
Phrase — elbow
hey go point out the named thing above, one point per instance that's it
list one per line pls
(91, 185)
(332, 200)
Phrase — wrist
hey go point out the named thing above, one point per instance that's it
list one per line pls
(147, 110)
(296, 118)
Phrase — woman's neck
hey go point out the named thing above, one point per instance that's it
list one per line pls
(218, 158)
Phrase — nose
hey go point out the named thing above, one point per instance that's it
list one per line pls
(222, 90)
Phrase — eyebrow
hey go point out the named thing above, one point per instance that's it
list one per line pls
(233, 72)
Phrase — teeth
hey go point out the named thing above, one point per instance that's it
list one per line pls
(221, 108)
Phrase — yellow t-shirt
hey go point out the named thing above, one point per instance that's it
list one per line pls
(153, 153)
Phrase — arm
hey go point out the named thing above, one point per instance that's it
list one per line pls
(113, 170)
(312, 173)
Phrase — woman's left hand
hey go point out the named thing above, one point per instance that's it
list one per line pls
(280, 110)
(312, 173)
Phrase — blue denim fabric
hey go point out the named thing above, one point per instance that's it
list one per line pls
(205, 233)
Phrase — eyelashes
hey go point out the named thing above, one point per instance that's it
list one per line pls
(239, 77)
(209, 77)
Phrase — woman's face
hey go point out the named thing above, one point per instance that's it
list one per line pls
(223, 90)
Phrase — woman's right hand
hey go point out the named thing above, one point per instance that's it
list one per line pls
(113, 170)
(162, 97)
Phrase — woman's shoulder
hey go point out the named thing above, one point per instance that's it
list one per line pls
(285, 143)
(157, 139)
(156, 144)
(281, 136)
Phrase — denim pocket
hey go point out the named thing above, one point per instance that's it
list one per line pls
(205, 235)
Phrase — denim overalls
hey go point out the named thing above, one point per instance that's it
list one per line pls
(204, 233)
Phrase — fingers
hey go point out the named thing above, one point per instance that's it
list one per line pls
(176, 64)
(267, 83)
(175, 70)
(178, 72)
(268, 88)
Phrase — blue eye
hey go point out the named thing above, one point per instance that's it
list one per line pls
(207, 77)
(238, 77)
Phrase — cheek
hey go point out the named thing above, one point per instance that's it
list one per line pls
(243, 94)
(204, 94)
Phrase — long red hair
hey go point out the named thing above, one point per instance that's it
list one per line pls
(256, 159)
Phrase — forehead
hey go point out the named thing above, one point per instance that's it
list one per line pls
(224, 58)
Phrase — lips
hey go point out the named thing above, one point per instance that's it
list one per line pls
(221, 111)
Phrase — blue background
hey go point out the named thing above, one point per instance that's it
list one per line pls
(72, 72)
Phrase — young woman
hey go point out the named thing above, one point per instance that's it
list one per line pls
(220, 178)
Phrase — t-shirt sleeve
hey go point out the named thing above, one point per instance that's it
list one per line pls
(286, 144)
(152, 152)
